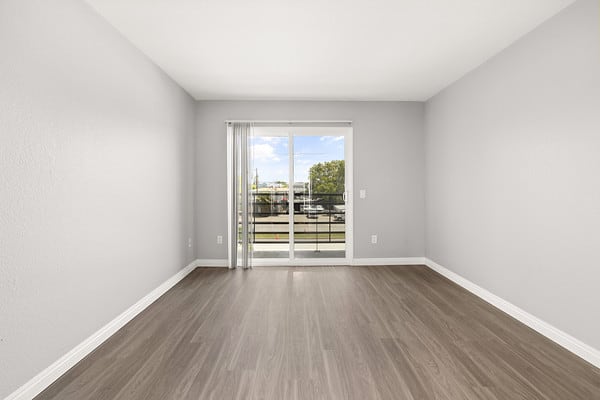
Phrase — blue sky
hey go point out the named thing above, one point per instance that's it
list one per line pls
(270, 154)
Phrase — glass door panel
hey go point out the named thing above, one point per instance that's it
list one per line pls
(269, 194)
(319, 196)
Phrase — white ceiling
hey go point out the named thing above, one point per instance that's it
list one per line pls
(322, 49)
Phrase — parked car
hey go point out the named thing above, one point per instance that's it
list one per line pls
(314, 211)
(339, 213)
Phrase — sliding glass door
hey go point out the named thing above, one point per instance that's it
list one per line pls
(299, 195)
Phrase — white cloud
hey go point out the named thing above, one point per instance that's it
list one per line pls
(264, 152)
(331, 139)
(272, 139)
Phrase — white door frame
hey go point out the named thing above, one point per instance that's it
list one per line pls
(315, 130)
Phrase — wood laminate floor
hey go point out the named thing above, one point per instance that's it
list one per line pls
(325, 333)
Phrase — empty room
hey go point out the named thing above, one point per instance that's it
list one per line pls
(385, 199)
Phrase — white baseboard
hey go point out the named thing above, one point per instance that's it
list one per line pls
(45, 378)
(267, 262)
(389, 261)
(563, 339)
(212, 262)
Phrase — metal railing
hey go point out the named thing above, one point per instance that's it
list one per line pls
(318, 217)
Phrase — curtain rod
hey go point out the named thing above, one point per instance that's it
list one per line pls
(286, 122)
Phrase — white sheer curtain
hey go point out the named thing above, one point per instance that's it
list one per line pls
(239, 185)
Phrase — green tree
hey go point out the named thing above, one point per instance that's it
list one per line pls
(327, 177)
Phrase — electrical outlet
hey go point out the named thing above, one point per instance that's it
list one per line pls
(373, 239)
(190, 243)
(219, 239)
(363, 193)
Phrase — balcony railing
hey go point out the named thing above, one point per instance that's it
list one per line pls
(318, 217)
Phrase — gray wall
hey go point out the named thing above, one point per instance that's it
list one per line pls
(513, 173)
(96, 153)
(388, 162)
